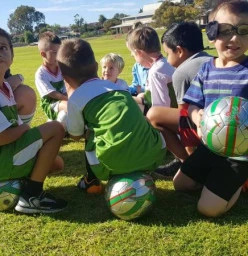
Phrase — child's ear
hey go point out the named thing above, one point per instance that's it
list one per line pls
(43, 54)
(180, 50)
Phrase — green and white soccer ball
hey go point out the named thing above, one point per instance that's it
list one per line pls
(130, 196)
(224, 126)
(9, 194)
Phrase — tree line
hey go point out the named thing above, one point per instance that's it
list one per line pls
(25, 22)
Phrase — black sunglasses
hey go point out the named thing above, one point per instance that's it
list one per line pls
(225, 29)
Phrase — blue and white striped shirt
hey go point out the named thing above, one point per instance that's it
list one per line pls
(211, 83)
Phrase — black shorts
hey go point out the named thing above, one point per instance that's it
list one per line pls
(221, 175)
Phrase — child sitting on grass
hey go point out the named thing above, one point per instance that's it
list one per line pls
(118, 137)
(219, 178)
(112, 65)
(144, 45)
(25, 96)
(49, 81)
(29, 154)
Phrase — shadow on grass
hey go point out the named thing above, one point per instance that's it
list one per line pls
(171, 208)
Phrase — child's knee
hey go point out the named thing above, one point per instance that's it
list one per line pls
(210, 210)
(182, 182)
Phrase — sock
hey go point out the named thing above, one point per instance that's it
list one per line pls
(27, 118)
(32, 188)
(90, 174)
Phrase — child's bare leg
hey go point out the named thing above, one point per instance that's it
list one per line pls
(52, 135)
(167, 120)
(212, 205)
(182, 182)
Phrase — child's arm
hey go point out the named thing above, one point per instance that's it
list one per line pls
(15, 80)
(57, 95)
(11, 134)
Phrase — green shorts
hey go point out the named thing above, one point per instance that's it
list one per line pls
(17, 159)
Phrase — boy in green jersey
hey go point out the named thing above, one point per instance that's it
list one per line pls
(119, 139)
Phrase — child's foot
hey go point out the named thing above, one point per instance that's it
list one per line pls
(45, 203)
(92, 187)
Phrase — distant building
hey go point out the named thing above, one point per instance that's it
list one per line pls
(144, 17)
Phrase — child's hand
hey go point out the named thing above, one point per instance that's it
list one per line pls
(198, 122)
(245, 186)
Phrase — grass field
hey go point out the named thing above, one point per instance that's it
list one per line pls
(87, 227)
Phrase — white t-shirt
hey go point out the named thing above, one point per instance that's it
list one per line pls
(46, 81)
(159, 76)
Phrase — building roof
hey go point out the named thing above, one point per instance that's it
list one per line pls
(148, 10)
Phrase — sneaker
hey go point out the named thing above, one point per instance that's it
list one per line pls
(45, 203)
(168, 171)
(92, 187)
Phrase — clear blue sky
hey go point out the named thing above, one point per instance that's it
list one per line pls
(62, 12)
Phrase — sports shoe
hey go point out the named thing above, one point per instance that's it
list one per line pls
(45, 203)
(168, 171)
(92, 187)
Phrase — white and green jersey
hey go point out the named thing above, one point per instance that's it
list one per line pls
(47, 82)
(120, 139)
(8, 109)
(17, 158)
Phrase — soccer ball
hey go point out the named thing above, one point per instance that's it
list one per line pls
(131, 195)
(224, 126)
(9, 194)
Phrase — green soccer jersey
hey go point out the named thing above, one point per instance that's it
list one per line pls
(120, 139)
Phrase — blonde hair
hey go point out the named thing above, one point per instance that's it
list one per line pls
(113, 58)
(46, 39)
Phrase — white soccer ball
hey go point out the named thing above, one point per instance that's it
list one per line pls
(224, 126)
(9, 194)
(130, 196)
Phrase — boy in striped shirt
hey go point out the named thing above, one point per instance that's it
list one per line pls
(220, 178)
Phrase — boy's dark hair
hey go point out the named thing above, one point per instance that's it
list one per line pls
(233, 6)
(144, 38)
(76, 59)
(186, 34)
(6, 35)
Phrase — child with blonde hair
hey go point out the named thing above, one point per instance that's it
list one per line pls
(112, 65)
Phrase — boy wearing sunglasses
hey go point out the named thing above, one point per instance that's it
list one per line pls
(220, 178)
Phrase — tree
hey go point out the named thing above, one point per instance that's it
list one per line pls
(102, 19)
(169, 13)
(24, 18)
(110, 23)
(28, 37)
(56, 29)
(78, 25)
(119, 16)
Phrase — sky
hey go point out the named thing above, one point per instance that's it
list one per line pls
(62, 12)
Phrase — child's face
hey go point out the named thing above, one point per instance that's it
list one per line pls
(51, 53)
(5, 55)
(231, 47)
(173, 57)
(110, 71)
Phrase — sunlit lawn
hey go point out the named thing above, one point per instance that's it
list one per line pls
(87, 227)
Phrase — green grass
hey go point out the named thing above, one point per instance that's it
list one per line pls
(86, 227)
